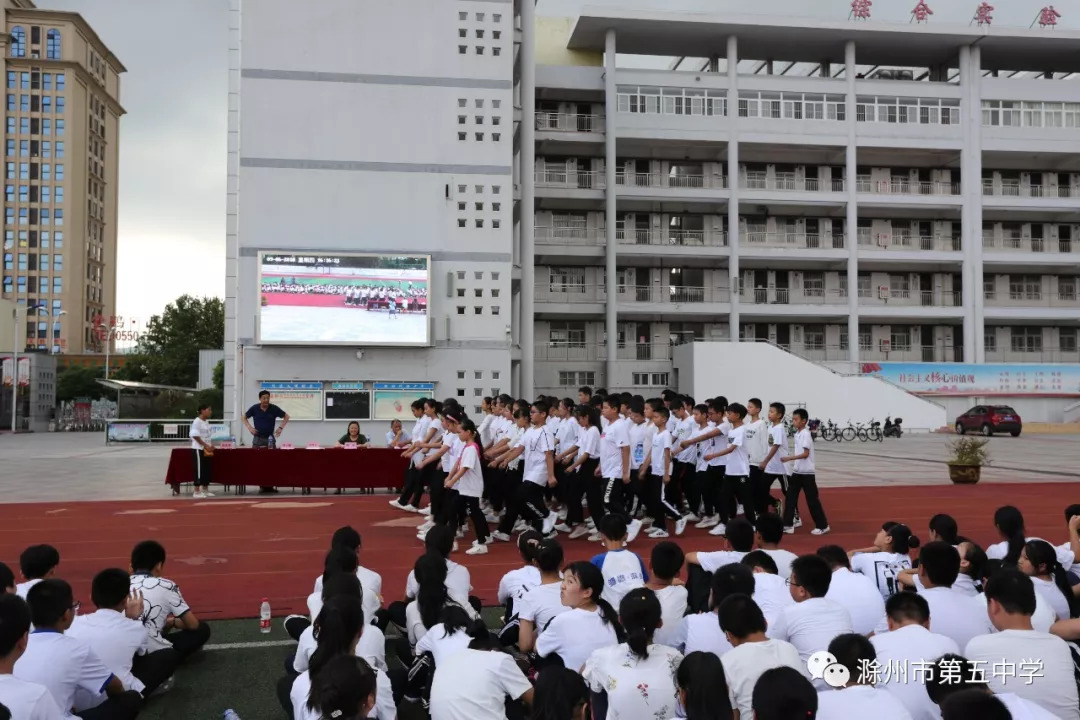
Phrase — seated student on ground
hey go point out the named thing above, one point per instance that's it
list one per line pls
(886, 558)
(440, 541)
(432, 596)
(163, 605)
(974, 704)
(944, 528)
(348, 539)
(739, 534)
(1039, 562)
(7, 580)
(769, 533)
(781, 693)
(341, 624)
(559, 694)
(666, 562)
(972, 559)
(950, 612)
(346, 688)
(623, 569)
(24, 700)
(1010, 598)
(36, 563)
(541, 604)
(616, 674)
(519, 581)
(952, 674)
(478, 685)
(1044, 616)
(590, 624)
(117, 636)
(452, 634)
(908, 644)
(1071, 546)
(338, 561)
(65, 665)
(770, 590)
(813, 621)
(701, 631)
(702, 688)
(857, 698)
(854, 591)
(372, 645)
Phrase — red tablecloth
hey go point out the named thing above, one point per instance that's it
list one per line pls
(327, 468)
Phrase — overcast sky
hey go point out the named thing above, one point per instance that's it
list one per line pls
(172, 140)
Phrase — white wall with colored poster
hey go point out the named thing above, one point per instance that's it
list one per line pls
(393, 400)
(990, 380)
(301, 400)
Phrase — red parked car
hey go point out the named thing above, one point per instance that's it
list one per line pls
(990, 419)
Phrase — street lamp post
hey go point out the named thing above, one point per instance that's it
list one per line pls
(110, 333)
(15, 362)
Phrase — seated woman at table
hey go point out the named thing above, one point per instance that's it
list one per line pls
(397, 437)
(353, 435)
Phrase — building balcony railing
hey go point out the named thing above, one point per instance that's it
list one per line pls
(571, 293)
(569, 122)
(1013, 188)
(644, 351)
(570, 179)
(1028, 244)
(911, 298)
(907, 241)
(1031, 299)
(547, 235)
(662, 180)
(790, 296)
(812, 241)
(675, 294)
(671, 237)
(582, 351)
(789, 182)
(864, 184)
(1024, 353)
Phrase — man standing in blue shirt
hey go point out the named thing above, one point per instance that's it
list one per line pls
(260, 420)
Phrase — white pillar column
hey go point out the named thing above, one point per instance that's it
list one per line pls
(733, 184)
(851, 239)
(971, 237)
(611, 316)
(527, 153)
(974, 196)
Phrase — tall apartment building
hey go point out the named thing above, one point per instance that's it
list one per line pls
(61, 160)
(851, 191)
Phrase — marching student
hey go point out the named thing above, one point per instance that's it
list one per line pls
(802, 477)
(509, 468)
(24, 700)
(666, 563)
(856, 592)
(566, 432)
(465, 486)
(757, 448)
(683, 459)
(813, 620)
(36, 563)
(590, 624)
(485, 429)
(441, 456)
(639, 450)
(661, 503)
(736, 480)
(774, 468)
(584, 395)
(698, 491)
(537, 448)
(886, 558)
(858, 698)
(163, 605)
(580, 474)
(202, 452)
(65, 665)
(615, 467)
(539, 606)
(623, 569)
(413, 490)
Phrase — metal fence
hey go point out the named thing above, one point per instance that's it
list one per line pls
(159, 431)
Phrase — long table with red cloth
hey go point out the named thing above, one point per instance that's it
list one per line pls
(300, 467)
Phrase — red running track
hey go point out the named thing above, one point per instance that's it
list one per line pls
(228, 553)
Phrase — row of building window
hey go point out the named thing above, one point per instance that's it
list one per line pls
(35, 81)
(34, 126)
(35, 216)
(34, 148)
(33, 239)
(34, 261)
(52, 42)
(36, 285)
(34, 171)
(36, 103)
(35, 193)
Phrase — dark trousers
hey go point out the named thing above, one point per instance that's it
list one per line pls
(437, 490)
(764, 489)
(680, 472)
(188, 642)
(615, 498)
(155, 668)
(660, 506)
(531, 504)
(761, 492)
(736, 486)
(471, 506)
(798, 483)
(296, 625)
(412, 480)
(125, 706)
(702, 493)
(594, 496)
(284, 695)
(204, 468)
(511, 491)
(635, 494)
(576, 483)
(494, 490)
(698, 588)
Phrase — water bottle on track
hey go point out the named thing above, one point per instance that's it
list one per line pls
(264, 616)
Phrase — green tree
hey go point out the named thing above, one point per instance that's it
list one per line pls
(168, 352)
(219, 375)
(76, 381)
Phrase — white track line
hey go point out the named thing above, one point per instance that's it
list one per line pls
(246, 645)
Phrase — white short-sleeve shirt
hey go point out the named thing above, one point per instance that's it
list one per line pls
(906, 648)
(661, 442)
(540, 605)
(614, 438)
(861, 598)
(673, 600)
(804, 441)
(636, 687)
(537, 442)
(116, 639)
(27, 700)
(783, 559)
(883, 568)
(811, 625)
(458, 583)
(384, 698)
(860, 701)
(702, 632)
(757, 441)
(475, 686)
(199, 429)
(516, 583)
(588, 442)
(778, 436)
(442, 646)
(471, 483)
(738, 461)
(575, 635)
(161, 599)
(1053, 687)
(639, 434)
(713, 561)
(371, 647)
(743, 665)
(64, 666)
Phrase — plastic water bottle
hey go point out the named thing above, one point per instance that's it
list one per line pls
(230, 714)
(264, 616)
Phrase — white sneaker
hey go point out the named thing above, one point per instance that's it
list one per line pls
(460, 534)
(739, 509)
(680, 526)
(789, 530)
(720, 529)
(477, 550)
(454, 549)
(397, 504)
(410, 508)
(657, 533)
(798, 522)
(708, 522)
(425, 526)
(549, 523)
(207, 493)
(821, 531)
(632, 530)
(563, 528)
(500, 536)
(425, 511)
(596, 537)
(198, 496)
(691, 518)
(579, 531)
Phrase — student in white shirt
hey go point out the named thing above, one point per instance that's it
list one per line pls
(740, 539)
(615, 464)
(813, 621)
(590, 624)
(908, 645)
(65, 665)
(701, 632)
(623, 569)
(757, 449)
(372, 644)
(886, 558)
(856, 592)
(485, 429)
(736, 482)
(466, 481)
(637, 678)
(770, 590)
(803, 478)
(539, 606)
(666, 561)
(699, 442)
(432, 595)
(537, 449)
(507, 465)
(347, 687)
(36, 563)
(202, 453)
(116, 634)
(657, 474)
(515, 583)
(1039, 561)
(1044, 617)
(566, 438)
(752, 653)
(953, 676)
(857, 698)
(476, 685)
(24, 700)
(412, 490)
(441, 457)
(972, 561)
(452, 634)
(773, 468)
(769, 531)
(640, 459)
(1010, 598)
(950, 612)
(682, 460)
(348, 540)
(580, 474)
(397, 438)
(164, 607)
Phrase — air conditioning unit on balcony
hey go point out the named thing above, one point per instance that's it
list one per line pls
(885, 345)
(883, 292)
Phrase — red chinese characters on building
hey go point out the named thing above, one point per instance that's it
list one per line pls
(1048, 16)
(860, 9)
(984, 14)
(921, 11)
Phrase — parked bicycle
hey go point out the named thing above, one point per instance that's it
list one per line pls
(829, 431)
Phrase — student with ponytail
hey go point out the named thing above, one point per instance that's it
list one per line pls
(559, 694)
(432, 597)
(590, 624)
(581, 474)
(886, 558)
(539, 606)
(1010, 526)
(703, 693)
(635, 679)
(344, 690)
(1038, 561)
